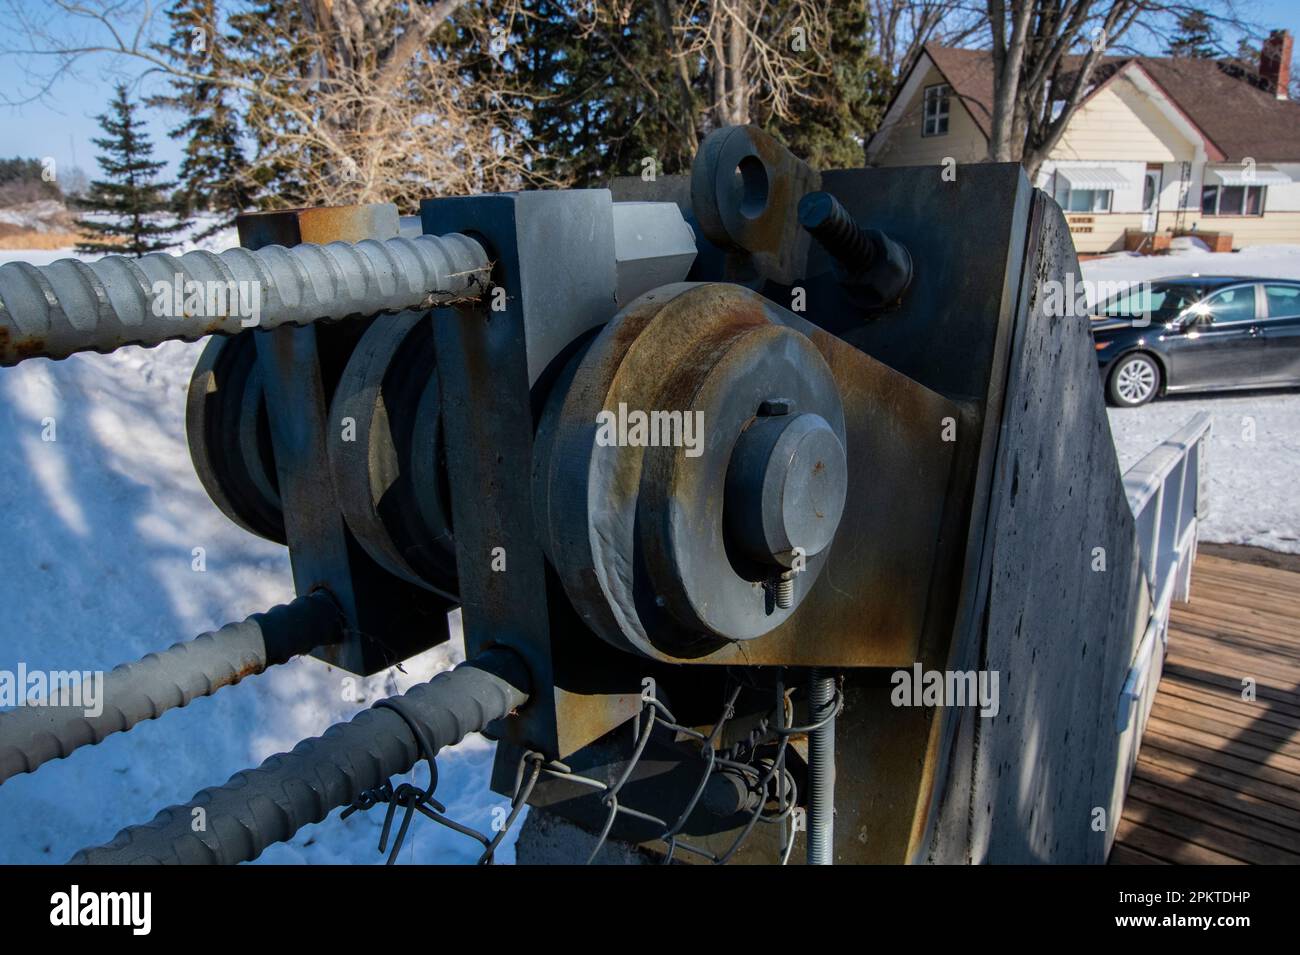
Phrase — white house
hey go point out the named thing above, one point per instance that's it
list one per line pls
(1159, 147)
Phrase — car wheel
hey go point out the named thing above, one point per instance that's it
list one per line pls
(1134, 381)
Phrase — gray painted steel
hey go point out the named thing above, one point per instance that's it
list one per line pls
(1027, 784)
(653, 246)
(149, 687)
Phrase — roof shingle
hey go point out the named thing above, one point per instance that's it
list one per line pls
(1223, 99)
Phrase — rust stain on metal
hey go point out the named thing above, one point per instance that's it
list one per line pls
(251, 668)
(290, 227)
(18, 349)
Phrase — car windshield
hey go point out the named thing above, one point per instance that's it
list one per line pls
(1162, 301)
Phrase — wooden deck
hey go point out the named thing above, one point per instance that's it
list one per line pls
(1218, 778)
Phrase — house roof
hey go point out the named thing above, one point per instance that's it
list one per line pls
(1225, 100)
(1235, 114)
(970, 75)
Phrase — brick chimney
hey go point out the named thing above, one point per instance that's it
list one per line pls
(1275, 62)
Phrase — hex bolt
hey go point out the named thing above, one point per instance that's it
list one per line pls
(775, 407)
(829, 223)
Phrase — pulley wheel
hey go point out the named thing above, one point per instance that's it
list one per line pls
(691, 471)
(386, 455)
(229, 436)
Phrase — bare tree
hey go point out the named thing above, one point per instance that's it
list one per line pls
(1039, 84)
(365, 109)
(1035, 91)
(756, 55)
(901, 28)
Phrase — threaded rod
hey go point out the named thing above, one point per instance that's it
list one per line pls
(53, 311)
(235, 822)
(144, 690)
(821, 769)
(829, 223)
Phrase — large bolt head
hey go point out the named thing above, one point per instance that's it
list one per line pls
(786, 487)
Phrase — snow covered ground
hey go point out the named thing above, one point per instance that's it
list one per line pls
(95, 569)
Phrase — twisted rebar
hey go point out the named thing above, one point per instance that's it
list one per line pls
(52, 311)
(258, 807)
(149, 687)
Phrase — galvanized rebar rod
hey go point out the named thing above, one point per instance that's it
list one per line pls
(52, 311)
(149, 687)
(821, 769)
(258, 807)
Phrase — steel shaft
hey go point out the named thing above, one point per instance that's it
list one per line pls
(69, 306)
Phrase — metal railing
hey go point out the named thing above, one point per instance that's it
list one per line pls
(1164, 493)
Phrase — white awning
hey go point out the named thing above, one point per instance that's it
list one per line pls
(1093, 177)
(1247, 176)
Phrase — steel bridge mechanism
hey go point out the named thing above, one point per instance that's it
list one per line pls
(702, 461)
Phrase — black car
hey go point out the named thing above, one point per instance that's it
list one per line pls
(1198, 333)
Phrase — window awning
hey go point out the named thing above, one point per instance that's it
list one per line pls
(1095, 177)
(1247, 176)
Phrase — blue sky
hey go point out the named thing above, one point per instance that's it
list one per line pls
(63, 123)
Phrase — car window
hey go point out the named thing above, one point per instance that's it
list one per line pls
(1283, 300)
(1158, 300)
(1232, 305)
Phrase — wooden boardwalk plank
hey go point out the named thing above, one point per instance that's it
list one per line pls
(1217, 779)
(1224, 701)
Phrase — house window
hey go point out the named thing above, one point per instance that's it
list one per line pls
(1232, 200)
(1082, 200)
(936, 111)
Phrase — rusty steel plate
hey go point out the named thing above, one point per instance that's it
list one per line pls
(745, 192)
(864, 602)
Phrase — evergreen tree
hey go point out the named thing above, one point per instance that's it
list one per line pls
(272, 48)
(1195, 38)
(214, 175)
(599, 102)
(839, 110)
(129, 194)
(596, 103)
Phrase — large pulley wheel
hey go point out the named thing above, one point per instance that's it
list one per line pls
(229, 435)
(690, 471)
(386, 454)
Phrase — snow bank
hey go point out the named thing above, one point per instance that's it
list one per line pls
(1266, 261)
(1252, 461)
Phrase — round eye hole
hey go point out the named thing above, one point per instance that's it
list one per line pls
(751, 176)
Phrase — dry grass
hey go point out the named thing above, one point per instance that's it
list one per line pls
(31, 239)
